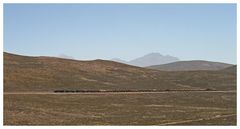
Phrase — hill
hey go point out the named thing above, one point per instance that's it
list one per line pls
(231, 69)
(191, 66)
(24, 73)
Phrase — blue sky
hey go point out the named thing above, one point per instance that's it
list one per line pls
(126, 31)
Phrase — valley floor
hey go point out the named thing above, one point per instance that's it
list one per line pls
(166, 108)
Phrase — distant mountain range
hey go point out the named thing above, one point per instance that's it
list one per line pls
(191, 66)
(149, 59)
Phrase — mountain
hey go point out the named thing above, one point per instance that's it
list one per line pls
(152, 59)
(149, 59)
(119, 60)
(26, 73)
(191, 66)
(65, 56)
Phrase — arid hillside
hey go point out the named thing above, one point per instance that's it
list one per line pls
(23, 73)
(191, 66)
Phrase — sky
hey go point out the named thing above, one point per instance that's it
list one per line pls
(125, 31)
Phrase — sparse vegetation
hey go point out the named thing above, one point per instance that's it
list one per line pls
(24, 77)
(120, 109)
(48, 74)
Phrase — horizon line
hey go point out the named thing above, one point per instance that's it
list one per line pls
(108, 59)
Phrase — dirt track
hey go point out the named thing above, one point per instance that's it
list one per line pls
(196, 120)
(9, 93)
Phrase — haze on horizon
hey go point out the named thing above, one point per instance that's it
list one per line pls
(125, 31)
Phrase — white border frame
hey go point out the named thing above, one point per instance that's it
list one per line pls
(115, 1)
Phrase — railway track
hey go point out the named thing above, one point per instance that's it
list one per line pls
(119, 92)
